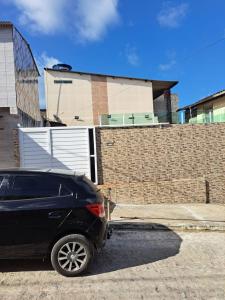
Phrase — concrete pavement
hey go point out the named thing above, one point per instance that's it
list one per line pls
(172, 216)
(134, 265)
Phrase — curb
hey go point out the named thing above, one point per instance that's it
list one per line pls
(160, 227)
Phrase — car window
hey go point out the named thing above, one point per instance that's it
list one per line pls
(1, 180)
(5, 182)
(90, 184)
(2, 187)
(87, 185)
(88, 189)
(36, 186)
(64, 190)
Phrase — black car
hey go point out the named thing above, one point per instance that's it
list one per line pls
(50, 213)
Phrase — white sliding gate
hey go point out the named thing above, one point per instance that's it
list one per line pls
(71, 148)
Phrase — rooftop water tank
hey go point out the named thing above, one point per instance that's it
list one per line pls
(62, 67)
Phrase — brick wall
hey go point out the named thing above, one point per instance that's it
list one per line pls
(169, 164)
(99, 97)
(16, 149)
(9, 147)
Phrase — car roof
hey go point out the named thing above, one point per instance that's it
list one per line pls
(47, 170)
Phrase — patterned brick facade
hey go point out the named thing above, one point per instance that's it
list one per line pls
(99, 97)
(15, 134)
(9, 142)
(164, 164)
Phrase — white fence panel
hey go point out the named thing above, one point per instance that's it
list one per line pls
(58, 148)
(34, 149)
(72, 148)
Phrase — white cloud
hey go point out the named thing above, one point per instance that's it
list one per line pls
(167, 66)
(44, 61)
(132, 56)
(87, 19)
(172, 15)
(93, 17)
(48, 61)
(40, 15)
(171, 55)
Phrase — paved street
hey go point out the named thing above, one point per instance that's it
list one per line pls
(134, 265)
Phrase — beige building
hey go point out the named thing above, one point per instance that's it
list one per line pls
(79, 98)
(207, 110)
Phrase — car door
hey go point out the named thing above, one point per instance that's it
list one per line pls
(5, 236)
(36, 205)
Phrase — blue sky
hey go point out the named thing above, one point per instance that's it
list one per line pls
(156, 39)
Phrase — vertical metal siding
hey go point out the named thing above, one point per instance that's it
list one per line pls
(34, 149)
(60, 148)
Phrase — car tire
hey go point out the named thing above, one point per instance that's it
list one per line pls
(71, 255)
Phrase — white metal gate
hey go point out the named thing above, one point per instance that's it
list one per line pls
(71, 148)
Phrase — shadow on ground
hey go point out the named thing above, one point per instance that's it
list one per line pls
(128, 249)
(21, 265)
(125, 249)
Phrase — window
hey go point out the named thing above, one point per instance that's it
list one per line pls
(87, 185)
(2, 189)
(37, 186)
(1, 180)
(64, 191)
(63, 81)
(4, 186)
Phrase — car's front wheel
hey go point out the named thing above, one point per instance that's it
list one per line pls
(71, 255)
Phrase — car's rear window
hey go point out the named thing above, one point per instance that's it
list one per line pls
(87, 185)
(91, 185)
(1, 183)
(89, 189)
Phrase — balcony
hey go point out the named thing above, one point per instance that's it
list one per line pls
(128, 119)
(149, 118)
(203, 117)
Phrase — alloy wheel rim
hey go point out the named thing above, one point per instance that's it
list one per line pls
(72, 256)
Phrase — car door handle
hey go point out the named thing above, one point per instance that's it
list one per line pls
(55, 215)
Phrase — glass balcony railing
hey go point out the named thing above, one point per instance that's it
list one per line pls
(204, 117)
(129, 119)
(159, 118)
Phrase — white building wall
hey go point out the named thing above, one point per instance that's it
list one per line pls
(7, 70)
